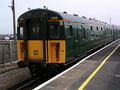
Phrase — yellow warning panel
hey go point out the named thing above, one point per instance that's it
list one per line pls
(35, 49)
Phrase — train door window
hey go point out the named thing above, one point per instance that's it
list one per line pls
(97, 33)
(79, 34)
(91, 28)
(92, 35)
(84, 34)
(97, 28)
(69, 30)
(101, 31)
(108, 32)
(105, 32)
(111, 31)
(54, 30)
(83, 31)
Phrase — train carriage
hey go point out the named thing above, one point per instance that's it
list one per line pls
(48, 39)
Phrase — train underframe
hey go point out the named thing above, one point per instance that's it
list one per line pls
(40, 68)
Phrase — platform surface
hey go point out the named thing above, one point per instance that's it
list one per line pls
(106, 78)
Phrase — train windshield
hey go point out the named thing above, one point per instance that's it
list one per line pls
(54, 30)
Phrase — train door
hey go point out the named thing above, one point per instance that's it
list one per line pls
(76, 42)
(34, 41)
(69, 33)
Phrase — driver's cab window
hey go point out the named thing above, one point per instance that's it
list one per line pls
(21, 32)
(54, 29)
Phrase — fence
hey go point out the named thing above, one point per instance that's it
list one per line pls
(8, 52)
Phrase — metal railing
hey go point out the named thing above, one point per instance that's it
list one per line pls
(8, 52)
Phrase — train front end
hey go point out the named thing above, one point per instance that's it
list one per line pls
(41, 40)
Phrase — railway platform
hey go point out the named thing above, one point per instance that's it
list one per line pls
(99, 71)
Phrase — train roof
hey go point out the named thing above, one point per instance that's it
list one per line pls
(73, 18)
(76, 18)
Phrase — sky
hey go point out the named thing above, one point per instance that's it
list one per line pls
(101, 10)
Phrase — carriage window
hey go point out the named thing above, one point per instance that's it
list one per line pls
(54, 30)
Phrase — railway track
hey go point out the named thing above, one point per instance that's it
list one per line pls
(26, 85)
(32, 82)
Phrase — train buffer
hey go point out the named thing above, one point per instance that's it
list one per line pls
(99, 71)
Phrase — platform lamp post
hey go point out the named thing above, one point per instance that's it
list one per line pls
(14, 22)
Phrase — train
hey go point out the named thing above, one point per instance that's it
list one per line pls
(48, 40)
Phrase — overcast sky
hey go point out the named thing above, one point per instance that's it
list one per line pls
(99, 9)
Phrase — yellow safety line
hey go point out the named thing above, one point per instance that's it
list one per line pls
(97, 69)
